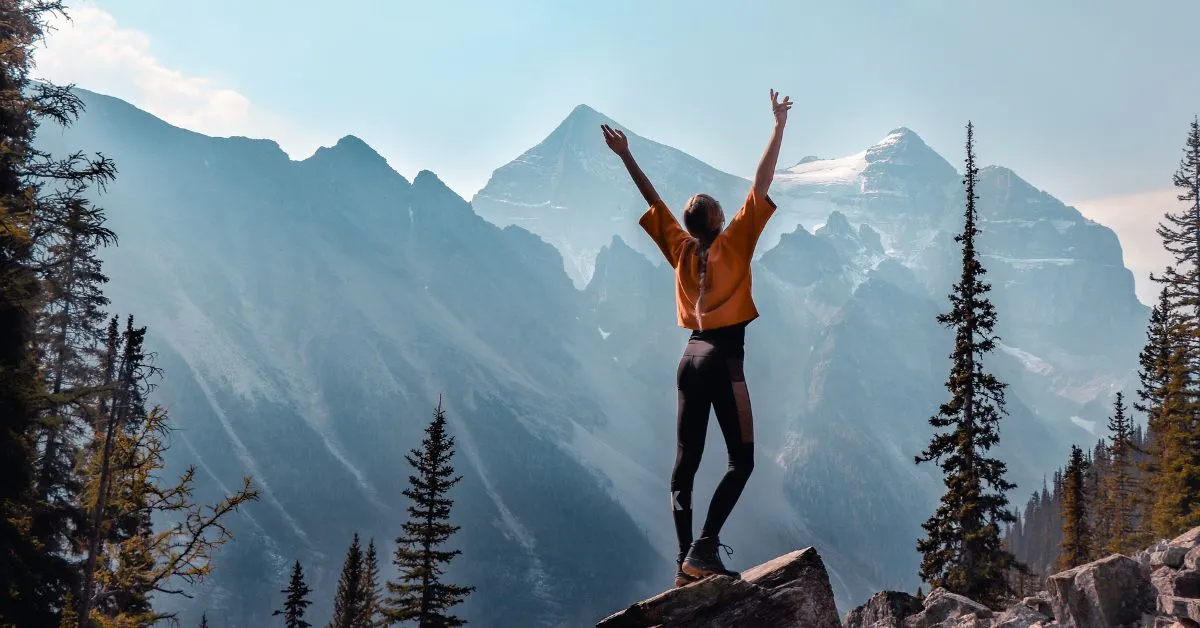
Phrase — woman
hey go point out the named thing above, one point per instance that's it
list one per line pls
(713, 299)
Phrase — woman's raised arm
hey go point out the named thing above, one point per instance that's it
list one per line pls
(766, 165)
(619, 144)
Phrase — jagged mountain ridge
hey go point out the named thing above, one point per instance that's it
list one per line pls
(310, 312)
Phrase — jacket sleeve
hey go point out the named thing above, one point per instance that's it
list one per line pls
(747, 225)
(664, 229)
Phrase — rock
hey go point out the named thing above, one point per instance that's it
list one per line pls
(943, 609)
(1191, 560)
(886, 609)
(1040, 603)
(1107, 593)
(1179, 608)
(1184, 583)
(1188, 539)
(1170, 556)
(792, 590)
(1020, 616)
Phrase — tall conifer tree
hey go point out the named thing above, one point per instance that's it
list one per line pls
(1174, 471)
(962, 550)
(420, 595)
(296, 600)
(36, 189)
(1076, 544)
(372, 613)
(1118, 493)
(350, 601)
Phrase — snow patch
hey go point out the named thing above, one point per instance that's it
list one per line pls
(1032, 363)
(1084, 423)
(824, 172)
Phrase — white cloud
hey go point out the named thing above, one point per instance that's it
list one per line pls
(94, 52)
(1134, 218)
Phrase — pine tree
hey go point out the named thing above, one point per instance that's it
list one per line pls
(350, 600)
(420, 595)
(296, 601)
(35, 190)
(372, 612)
(1076, 543)
(1173, 474)
(123, 490)
(70, 329)
(1118, 494)
(204, 620)
(963, 551)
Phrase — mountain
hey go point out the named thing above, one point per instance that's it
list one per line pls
(308, 314)
(572, 192)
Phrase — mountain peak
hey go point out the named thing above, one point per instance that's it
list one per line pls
(352, 147)
(899, 139)
(837, 224)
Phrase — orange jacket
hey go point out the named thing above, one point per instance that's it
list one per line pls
(727, 298)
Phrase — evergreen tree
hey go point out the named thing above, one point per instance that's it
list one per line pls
(420, 595)
(1173, 474)
(123, 490)
(296, 601)
(1117, 505)
(963, 551)
(350, 602)
(372, 615)
(35, 190)
(1076, 543)
(204, 620)
(70, 329)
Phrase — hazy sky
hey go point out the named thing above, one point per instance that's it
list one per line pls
(1087, 99)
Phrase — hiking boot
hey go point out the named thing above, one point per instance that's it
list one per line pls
(702, 560)
(682, 578)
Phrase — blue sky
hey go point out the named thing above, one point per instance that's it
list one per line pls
(1087, 99)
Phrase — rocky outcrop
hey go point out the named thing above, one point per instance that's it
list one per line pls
(884, 610)
(1157, 588)
(1113, 591)
(792, 590)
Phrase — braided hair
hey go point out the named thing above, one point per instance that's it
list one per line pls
(698, 217)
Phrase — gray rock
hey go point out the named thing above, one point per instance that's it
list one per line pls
(1179, 608)
(1185, 583)
(1020, 616)
(1108, 593)
(944, 609)
(1040, 602)
(1170, 556)
(1188, 539)
(886, 609)
(792, 590)
(1191, 560)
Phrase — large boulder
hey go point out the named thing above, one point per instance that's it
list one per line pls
(1184, 583)
(1019, 616)
(792, 590)
(1188, 539)
(943, 609)
(886, 609)
(1112, 592)
(1040, 602)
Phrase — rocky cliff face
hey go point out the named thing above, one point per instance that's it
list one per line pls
(1157, 588)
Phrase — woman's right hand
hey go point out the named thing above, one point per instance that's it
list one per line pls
(616, 140)
(780, 108)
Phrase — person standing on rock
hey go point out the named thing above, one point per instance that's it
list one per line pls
(713, 299)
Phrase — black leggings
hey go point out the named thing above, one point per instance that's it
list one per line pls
(709, 377)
